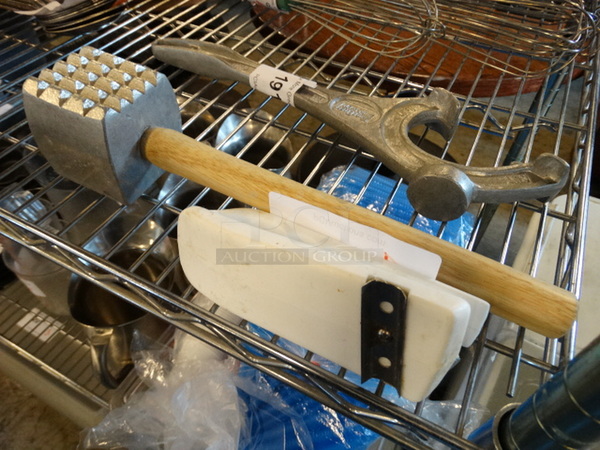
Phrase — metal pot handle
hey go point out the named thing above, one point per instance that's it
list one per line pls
(99, 346)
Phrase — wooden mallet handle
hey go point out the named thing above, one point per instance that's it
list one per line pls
(513, 295)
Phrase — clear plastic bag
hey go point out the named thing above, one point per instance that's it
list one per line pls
(198, 398)
(190, 404)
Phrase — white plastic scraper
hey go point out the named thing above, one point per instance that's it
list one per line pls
(314, 291)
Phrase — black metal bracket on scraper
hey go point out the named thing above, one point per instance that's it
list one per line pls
(383, 318)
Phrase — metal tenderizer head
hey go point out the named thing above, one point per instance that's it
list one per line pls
(87, 114)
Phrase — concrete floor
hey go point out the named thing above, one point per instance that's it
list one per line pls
(27, 423)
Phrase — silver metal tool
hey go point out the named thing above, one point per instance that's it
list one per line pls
(437, 189)
(95, 97)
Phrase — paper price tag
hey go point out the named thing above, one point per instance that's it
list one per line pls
(278, 83)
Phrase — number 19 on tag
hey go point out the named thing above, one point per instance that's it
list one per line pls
(278, 83)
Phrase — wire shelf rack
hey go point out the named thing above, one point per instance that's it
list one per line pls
(56, 345)
(504, 118)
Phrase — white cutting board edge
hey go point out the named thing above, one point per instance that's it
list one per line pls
(318, 306)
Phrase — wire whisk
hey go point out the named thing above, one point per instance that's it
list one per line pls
(388, 26)
(494, 32)
(554, 32)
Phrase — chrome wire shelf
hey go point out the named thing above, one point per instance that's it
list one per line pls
(503, 119)
(56, 345)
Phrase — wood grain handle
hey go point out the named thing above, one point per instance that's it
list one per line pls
(536, 305)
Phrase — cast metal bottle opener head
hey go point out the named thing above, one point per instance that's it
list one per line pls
(437, 189)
